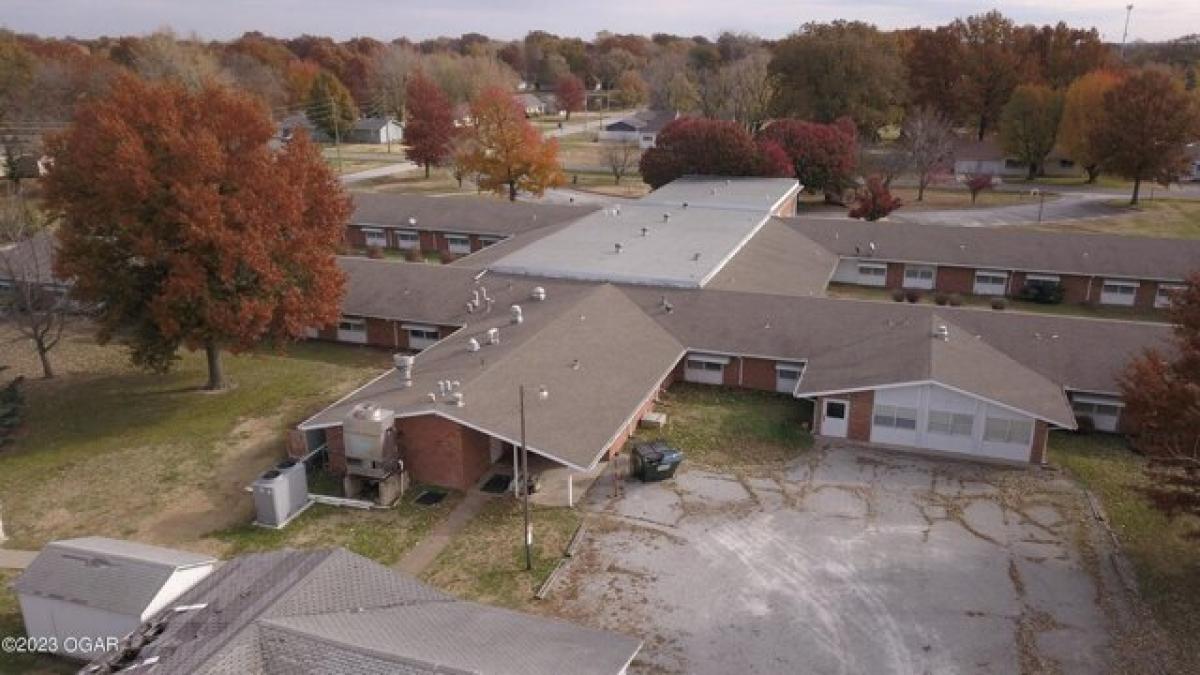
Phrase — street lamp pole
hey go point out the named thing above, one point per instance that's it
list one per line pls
(1125, 33)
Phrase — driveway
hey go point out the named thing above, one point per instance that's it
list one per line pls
(852, 561)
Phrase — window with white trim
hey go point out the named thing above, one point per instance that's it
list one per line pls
(420, 337)
(1118, 292)
(697, 364)
(949, 423)
(457, 243)
(872, 274)
(787, 376)
(918, 276)
(374, 237)
(350, 324)
(989, 282)
(1162, 297)
(1006, 430)
(1090, 409)
(895, 417)
(407, 239)
(488, 241)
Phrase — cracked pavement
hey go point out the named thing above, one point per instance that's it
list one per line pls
(851, 560)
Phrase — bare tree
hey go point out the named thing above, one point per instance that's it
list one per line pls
(621, 158)
(750, 91)
(928, 141)
(36, 304)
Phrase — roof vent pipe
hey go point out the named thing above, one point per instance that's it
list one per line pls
(617, 247)
(483, 293)
(645, 231)
(493, 336)
(943, 333)
(538, 293)
(404, 365)
(491, 302)
(666, 217)
(475, 297)
(517, 315)
(456, 399)
(472, 345)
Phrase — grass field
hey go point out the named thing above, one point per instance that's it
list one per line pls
(603, 183)
(1165, 552)
(728, 429)
(485, 562)
(839, 290)
(110, 450)
(440, 181)
(1174, 218)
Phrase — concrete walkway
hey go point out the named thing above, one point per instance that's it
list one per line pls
(389, 170)
(16, 560)
(427, 550)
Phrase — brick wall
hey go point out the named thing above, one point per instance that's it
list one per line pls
(959, 280)
(732, 372)
(758, 374)
(862, 404)
(380, 333)
(441, 452)
(1145, 294)
(618, 445)
(1075, 289)
(1037, 453)
(895, 275)
(427, 240)
(337, 449)
(355, 237)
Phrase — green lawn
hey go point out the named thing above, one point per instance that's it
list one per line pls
(840, 290)
(440, 181)
(110, 450)
(732, 429)
(485, 562)
(1165, 553)
(1172, 218)
(382, 535)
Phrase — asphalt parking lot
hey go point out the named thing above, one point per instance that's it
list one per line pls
(851, 561)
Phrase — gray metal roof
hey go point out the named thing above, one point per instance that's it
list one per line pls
(373, 123)
(101, 573)
(332, 611)
(30, 260)
(1007, 248)
(466, 214)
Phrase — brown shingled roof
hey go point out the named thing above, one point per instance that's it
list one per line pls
(465, 214)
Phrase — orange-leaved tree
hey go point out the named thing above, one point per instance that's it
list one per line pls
(186, 229)
(507, 152)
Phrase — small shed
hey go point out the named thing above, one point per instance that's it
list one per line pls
(376, 130)
(101, 589)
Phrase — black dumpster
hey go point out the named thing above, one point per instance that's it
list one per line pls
(655, 461)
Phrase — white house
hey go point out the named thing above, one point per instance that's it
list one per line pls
(641, 128)
(101, 589)
(376, 130)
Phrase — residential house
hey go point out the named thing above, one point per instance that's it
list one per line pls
(1192, 168)
(289, 125)
(1096, 269)
(641, 128)
(335, 612)
(101, 589)
(985, 157)
(376, 131)
(531, 104)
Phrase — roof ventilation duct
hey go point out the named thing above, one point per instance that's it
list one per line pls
(493, 336)
(516, 314)
(538, 293)
(404, 366)
(472, 345)
(942, 333)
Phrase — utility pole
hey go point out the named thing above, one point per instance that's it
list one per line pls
(525, 486)
(337, 136)
(1125, 33)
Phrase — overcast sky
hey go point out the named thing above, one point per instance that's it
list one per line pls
(418, 19)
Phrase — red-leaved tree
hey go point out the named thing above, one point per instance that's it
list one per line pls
(185, 229)
(706, 147)
(1162, 408)
(429, 131)
(822, 156)
(874, 201)
(979, 182)
(570, 94)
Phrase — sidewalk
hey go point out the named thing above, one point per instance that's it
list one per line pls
(16, 560)
(427, 550)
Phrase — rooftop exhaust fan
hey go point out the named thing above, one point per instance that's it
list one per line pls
(517, 316)
(493, 336)
(942, 333)
(472, 345)
(538, 293)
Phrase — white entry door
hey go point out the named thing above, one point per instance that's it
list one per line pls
(834, 420)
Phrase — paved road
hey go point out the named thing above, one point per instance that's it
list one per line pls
(1074, 206)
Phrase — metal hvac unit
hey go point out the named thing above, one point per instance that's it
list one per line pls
(369, 433)
(280, 493)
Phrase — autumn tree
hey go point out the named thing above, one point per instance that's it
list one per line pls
(979, 182)
(823, 156)
(700, 146)
(1161, 392)
(330, 106)
(16, 72)
(927, 140)
(990, 66)
(935, 67)
(570, 94)
(430, 128)
(506, 152)
(1083, 114)
(632, 90)
(621, 158)
(843, 69)
(1148, 121)
(874, 201)
(1029, 125)
(34, 304)
(180, 224)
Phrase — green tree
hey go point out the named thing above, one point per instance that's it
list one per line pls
(1029, 125)
(330, 106)
(1083, 113)
(841, 69)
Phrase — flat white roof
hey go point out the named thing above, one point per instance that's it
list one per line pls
(680, 235)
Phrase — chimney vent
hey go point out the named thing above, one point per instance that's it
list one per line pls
(472, 345)
(493, 336)
(517, 316)
(617, 247)
(942, 333)
(538, 293)
(666, 217)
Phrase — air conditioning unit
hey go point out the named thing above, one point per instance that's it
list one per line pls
(369, 435)
(280, 493)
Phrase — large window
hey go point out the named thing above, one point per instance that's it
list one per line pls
(895, 417)
(1004, 430)
(1118, 292)
(457, 243)
(988, 282)
(375, 237)
(352, 325)
(1162, 297)
(694, 364)
(787, 376)
(918, 276)
(872, 274)
(952, 424)
(407, 239)
(420, 337)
